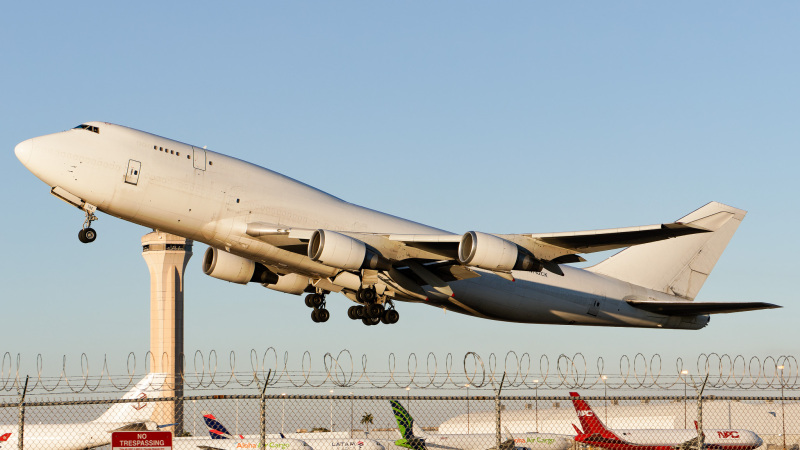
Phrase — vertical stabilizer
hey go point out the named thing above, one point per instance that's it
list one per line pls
(134, 412)
(405, 424)
(677, 266)
(590, 423)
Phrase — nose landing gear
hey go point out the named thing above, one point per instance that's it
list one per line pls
(87, 233)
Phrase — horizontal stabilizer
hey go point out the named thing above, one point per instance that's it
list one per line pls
(699, 308)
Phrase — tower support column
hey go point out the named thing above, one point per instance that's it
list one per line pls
(166, 256)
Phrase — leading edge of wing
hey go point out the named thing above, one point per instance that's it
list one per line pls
(699, 308)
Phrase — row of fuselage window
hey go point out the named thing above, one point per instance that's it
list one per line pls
(173, 152)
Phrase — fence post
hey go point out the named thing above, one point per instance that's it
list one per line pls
(262, 436)
(20, 443)
(497, 411)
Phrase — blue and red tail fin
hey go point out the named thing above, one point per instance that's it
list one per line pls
(590, 423)
(215, 428)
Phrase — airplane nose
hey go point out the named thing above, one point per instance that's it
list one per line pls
(23, 151)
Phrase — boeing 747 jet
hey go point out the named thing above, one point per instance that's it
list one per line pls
(263, 227)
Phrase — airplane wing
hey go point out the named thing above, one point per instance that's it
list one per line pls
(550, 248)
(698, 308)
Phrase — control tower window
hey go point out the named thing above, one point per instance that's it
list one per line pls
(91, 128)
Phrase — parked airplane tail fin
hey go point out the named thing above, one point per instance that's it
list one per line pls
(5, 437)
(405, 424)
(590, 423)
(150, 387)
(677, 266)
(215, 428)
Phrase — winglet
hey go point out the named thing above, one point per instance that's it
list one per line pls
(577, 430)
(5, 437)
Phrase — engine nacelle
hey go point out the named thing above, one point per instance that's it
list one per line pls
(229, 267)
(490, 252)
(343, 252)
(291, 283)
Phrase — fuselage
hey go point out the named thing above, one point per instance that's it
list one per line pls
(62, 436)
(659, 439)
(532, 441)
(209, 197)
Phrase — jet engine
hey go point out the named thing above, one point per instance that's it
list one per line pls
(229, 267)
(490, 252)
(343, 252)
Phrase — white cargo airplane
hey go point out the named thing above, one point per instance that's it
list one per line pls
(217, 432)
(74, 436)
(595, 434)
(413, 438)
(264, 227)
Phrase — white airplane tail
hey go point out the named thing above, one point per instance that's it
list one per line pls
(150, 387)
(681, 265)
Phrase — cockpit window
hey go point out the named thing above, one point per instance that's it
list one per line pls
(91, 128)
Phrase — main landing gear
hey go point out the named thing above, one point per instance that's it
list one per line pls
(317, 302)
(372, 312)
(87, 233)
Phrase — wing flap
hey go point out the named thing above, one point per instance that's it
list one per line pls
(699, 308)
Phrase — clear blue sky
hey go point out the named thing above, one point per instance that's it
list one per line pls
(501, 117)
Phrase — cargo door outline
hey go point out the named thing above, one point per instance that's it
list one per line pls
(132, 175)
(199, 158)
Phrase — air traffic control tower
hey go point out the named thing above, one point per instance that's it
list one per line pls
(166, 256)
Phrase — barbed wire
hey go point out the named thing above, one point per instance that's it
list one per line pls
(340, 370)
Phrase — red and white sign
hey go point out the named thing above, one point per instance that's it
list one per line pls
(141, 440)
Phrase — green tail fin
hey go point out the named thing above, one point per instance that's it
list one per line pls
(405, 424)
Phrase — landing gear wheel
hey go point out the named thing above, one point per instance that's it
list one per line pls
(90, 234)
(352, 312)
(316, 300)
(374, 311)
(367, 295)
(315, 315)
(82, 236)
(390, 316)
(323, 315)
(370, 321)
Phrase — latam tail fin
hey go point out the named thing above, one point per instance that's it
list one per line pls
(215, 428)
(405, 424)
(134, 412)
(590, 423)
(677, 266)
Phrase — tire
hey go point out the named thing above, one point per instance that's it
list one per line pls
(316, 300)
(90, 234)
(315, 315)
(323, 315)
(351, 312)
(374, 311)
(82, 236)
(369, 321)
(308, 300)
(359, 312)
(368, 295)
(390, 316)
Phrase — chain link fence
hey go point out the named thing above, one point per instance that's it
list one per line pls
(335, 422)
